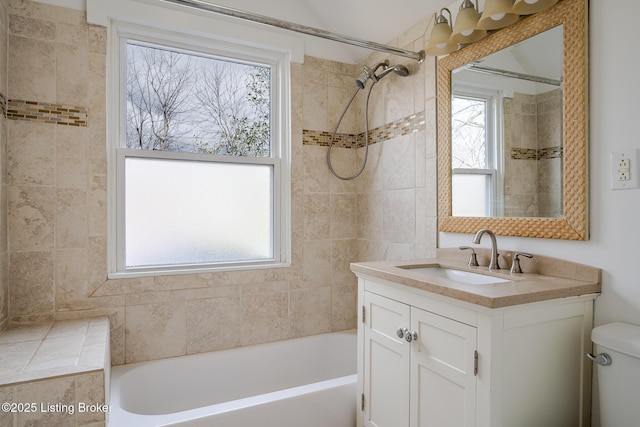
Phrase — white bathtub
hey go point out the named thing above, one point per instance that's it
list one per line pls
(308, 381)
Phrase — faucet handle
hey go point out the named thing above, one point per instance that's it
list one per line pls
(515, 266)
(473, 260)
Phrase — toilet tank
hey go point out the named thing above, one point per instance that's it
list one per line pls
(618, 383)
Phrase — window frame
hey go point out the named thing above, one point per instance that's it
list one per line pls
(494, 134)
(122, 32)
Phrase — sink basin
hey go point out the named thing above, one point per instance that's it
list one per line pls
(461, 276)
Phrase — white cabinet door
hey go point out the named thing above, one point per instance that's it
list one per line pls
(443, 381)
(386, 363)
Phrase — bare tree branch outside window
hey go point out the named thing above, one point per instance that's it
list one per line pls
(468, 132)
(179, 101)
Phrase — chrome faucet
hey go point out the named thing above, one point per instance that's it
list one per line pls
(493, 264)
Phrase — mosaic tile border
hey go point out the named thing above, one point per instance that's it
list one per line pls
(3, 105)
(44, 112)
(410, 124)
(539, 154)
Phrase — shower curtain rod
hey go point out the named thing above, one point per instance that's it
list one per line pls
(202, 5)
(513, 74)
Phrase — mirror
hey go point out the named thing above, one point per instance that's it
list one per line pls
(512, 129)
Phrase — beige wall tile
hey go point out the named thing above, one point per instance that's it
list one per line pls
(72, 73)
(32, 28)
(344, 307)
(310, 311)
(343, 216)
(31, 152)
(399, 216)
(71, 218)
(317, 261)
(369, 216)
(59, 391)
(90, 389)
(6, 395)
(317, 216)
(155, 331)
(31, 296)
(398, 165)
(32, 64)
(316, 178)
(343, 253)
(213, 324)
(315, 104)
(71, 277)
(70, 156)
(31, 218)
(265, 317)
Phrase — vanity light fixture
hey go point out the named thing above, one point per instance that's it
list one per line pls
(529, 7)
(440, 42)
(497, 14)
(466, 28)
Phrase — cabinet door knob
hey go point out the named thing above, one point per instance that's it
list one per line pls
(411, 336)
(400, 332)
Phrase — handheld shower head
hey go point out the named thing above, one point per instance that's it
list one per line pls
(370, 73)
(400, 70)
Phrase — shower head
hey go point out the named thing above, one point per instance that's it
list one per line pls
(370, 73)
(362, 80)
(400, 70)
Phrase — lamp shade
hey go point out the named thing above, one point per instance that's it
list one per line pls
(497, 14)
(466, 31)
(440, 41)
(528, 7)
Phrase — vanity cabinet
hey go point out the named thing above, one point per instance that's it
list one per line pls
(469, 365)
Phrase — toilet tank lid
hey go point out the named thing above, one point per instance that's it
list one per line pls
(618, 336)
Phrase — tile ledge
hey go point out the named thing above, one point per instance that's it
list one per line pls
(86, 360)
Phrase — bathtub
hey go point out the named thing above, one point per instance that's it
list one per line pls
(308, 381)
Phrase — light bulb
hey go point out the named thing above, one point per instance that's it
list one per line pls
(498, 16)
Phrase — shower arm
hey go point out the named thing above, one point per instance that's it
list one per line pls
(261, 19)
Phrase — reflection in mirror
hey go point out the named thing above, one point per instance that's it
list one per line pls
(506, 131)
(522, 208)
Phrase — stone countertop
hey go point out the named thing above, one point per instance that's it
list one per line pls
(568, 280)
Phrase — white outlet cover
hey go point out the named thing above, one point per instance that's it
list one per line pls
(632, 158)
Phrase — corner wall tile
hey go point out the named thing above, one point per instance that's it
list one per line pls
(32, 287)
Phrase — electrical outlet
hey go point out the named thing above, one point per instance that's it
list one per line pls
(625, 170)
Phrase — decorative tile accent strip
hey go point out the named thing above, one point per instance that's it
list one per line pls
(3, 105)
(404, 126)
(533, 154)
(550, 153)
(344, 140)
(524, 154)
(44, 112)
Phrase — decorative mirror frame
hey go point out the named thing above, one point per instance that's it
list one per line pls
(573, 225)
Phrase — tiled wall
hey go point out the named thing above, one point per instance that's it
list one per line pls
(396, 195)
(57, 213)
(533, 154)
(56, 191)
(4, 255)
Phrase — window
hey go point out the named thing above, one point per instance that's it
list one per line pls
(200, 162)
(475, 152)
